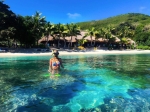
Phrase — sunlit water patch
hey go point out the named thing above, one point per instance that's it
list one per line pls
(88, 83)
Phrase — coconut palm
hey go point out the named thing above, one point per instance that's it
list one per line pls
(48, 30)
(125, 30)
(102, 33)
(73, 30)
(39, 23)
(97, 36)
(109, 33)
(61, 31)
(92, 33)
(82, 41)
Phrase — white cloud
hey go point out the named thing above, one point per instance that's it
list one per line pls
(73, 16)
(142, 8)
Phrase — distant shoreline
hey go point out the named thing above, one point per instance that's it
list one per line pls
(9, 54)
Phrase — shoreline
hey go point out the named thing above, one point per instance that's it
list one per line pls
(103, 52)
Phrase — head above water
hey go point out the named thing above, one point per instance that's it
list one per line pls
(55, 53)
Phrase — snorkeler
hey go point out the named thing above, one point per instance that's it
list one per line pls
(55, 63)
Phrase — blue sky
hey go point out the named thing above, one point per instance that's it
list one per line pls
(67, 11)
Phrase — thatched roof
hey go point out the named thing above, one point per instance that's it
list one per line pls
(79, 37)
(130, 41)
(116, 38)
(75, 38)
(89, 38)
(68, 39)
(102, 40)
(45, 39)
(83, 33)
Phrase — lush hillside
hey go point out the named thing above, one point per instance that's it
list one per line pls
(137, 25)
(132, 18)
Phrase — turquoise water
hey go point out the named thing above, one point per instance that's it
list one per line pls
(100, 83)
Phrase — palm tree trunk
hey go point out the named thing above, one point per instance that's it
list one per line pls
(94, 42)
(91, 40)
(64, 43)
(58, 42)
(71, 41)
(47, 38)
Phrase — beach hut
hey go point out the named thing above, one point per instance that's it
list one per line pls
(68, 39)
(102, 40)
(45, 39)
(117, 40)
(130, 41)
(82, 34)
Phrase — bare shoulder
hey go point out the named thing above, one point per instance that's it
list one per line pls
(51, 59)
(59, 59)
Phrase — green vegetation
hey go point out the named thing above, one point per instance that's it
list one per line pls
(132, 18)
(131, 29)
(132, 25)
(26, 31)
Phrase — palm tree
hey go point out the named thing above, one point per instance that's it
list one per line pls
(107, 33)
(102, 33)
(73, 30)
(48, 30)
(61, 31)
(97, 36)
(39, 23)
(92, 32)
(125, 30)
(82, 41)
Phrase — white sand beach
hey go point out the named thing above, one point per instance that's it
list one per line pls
(71, 52)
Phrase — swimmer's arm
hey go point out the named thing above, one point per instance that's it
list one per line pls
(50, 65)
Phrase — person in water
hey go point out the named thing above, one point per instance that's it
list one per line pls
(55, 63)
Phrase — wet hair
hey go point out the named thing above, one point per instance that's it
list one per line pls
(55, 53)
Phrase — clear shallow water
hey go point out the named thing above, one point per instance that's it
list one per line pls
(106, 83)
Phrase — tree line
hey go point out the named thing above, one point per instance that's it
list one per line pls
(27, 30)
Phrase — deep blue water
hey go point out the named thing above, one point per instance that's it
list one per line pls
(100, 83)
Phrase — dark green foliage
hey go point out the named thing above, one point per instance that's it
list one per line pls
(143, 47)
(7, 24)
(7, 17)
(28, 30)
